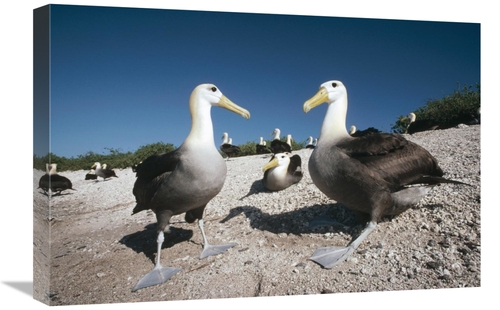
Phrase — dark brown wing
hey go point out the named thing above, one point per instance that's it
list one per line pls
(230, 149)
(150, 174)
(278, 146)
(59, 183)
(374, 144)
(43, 183)
(395, 159)
(157, 164)
(295, 162)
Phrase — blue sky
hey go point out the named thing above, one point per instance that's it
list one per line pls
(121, 77)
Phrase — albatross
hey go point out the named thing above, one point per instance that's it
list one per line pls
(420, 125)
(103, 172)
(278, 146)
(354, 132)
(261, 148)
(186, 179)
(310, 143)
(54, 182)
(282, 171)
(227, 147)
(379, 174)
(91, 175)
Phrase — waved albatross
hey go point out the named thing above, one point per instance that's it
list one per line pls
(54, 182)
(354, 132)
(278, 146)
(186, 179)
(91, 175)
(261, 148)
(282, 171)
(310, 143)
(420, 124)
(103, 172)
(227, 147)
(370, 175)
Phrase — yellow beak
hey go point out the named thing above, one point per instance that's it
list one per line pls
(273, 163)
(233, 107)
(320, 97)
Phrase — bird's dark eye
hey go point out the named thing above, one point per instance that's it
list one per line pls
(334, 84)
(214, 89)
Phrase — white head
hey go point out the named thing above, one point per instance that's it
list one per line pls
(276, 132)
(225, 138)
(202, 98)
(281, 160)
(335, 94)
(352, 130)
(52, 168)
(210, 94)
(328, 92)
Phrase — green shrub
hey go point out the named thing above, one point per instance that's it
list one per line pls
(115, 159)
(446, 111)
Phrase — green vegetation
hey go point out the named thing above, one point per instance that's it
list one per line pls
(115, 158)
(120, 160)
(446, 111)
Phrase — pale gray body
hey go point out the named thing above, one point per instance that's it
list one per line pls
(287, 173)
(198, 176)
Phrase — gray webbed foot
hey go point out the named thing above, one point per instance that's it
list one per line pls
(211, 250)
(156, 276)
(328, 257)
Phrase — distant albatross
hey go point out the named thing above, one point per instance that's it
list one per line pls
(278, 146)
(420, 124)
(282, 171)
(91, 175)
(354, 132)
(186, 179)
(52, 182)
(227, 147)
(370, 174)
(261, 148)
(103, 172)
(310, 143)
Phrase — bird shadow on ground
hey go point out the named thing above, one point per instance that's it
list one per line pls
(328, 218)
(55, 194)
(145, 241)
(256, 188)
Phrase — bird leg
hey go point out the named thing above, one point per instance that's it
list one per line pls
(159, 274)
(208, 249)
(328, 257)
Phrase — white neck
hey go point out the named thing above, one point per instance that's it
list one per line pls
(202, 132)
(333, 128)
(225, 139)
(277, 135)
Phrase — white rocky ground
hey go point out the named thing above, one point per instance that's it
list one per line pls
(98, 251)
